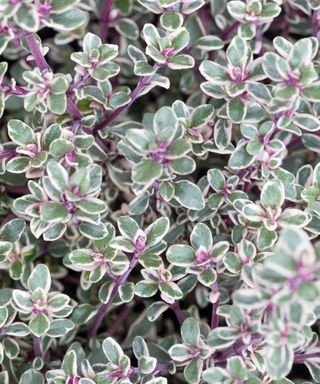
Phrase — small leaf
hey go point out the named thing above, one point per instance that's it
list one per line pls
(190, 332)
(20, 133)
(146, 172)
(273, 194)
(40, 278)
(189, 195)
(39, 325)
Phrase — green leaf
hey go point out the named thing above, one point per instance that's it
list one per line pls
(213, 72)
(171, 290)
(156, 231)
(180, 39)
(93, 231)
(91, 41)
(171, 20)
(237, 52)
(312, 92)
(12, 230)
(58, 85)
(20, 133)
(31, 376)
(209, 43)
(237, 368)
(40, 278)
(232, 262)
(189, 195)
(57, 103)
(128, 28)
(112, 350)
(146, 288)
(27, 18)
(279, 361)
(181, 62)
(68, 20)
(52, 212)
(126, 292)
(301, 53)
(22, 300)
(201, 237)
(240, 158)
(201, 115)
(181, 255)
(164, 123)
(190, 332)
(146, 172)
(237, 9)
(82, 314)
(128, 227)
(39, 325)
(236, 110)
(266, 238)
(93, 205)
(273, 194)
(216, 179)
(69, 364)
(60, 327)
(308, 291)
(216, 374)
(193, 371)
(60, 147)
(58, 175)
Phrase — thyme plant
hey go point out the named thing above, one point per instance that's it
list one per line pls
(159, 191)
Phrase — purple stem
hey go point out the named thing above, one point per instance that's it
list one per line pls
(73, 110)
(37, 54)
(44, 66)
(235, 349)
(227, 31)
(294, 143)
(215, 306)
(302, 357)
(178, 312)
(16, 91)
(104, 20)
(79, 82)
(315, 20)
(98, 318)
(21, 189)
(37, 346)
(134, 95)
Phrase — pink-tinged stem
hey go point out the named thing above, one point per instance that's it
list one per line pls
(236, 349)
(215, 306)
(37, 346)
(178, 312)
(300, 358)
(134, 95)
(315, 23)
(44, 66)
(104, 19)
(98, 318)
(37, 54)
(294, 143)
(227, 31)
(16, 91)
(73, 110)
(23, 190)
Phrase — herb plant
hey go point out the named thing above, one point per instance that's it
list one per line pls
(159, 191)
